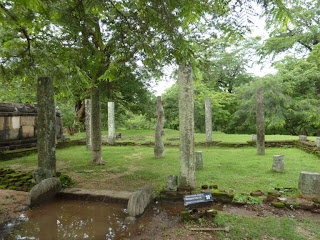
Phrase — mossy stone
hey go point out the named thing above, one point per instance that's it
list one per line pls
(274, 193)
(278, 204)
(3, 186)
(222, 196)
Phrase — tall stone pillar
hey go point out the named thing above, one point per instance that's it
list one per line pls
(186, 127)
(111, 123)
(87, 103)
(46, 130)
(158, 143)
(208, 119)
(96, 158)
(260, 122)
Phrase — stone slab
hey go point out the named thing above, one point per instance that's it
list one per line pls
(15, 122)
(139, 201)
(28, 120)
(95, 195)
(44, 191)
(2, 123)
(309, 184)
(13, 133)
(27, 131)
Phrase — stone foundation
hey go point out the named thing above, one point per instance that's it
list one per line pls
(18, 126)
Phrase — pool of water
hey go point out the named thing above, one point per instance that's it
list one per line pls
(66, 219)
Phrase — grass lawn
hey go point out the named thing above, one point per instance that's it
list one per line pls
(128, 167)
(236, 169)
(199, 137)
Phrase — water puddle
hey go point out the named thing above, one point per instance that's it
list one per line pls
(66, 219)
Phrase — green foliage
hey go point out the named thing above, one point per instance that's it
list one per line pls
(135, 121)
(222, 105)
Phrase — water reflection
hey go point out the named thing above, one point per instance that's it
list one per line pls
(70, 220)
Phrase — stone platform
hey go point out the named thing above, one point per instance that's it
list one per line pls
(95, 195)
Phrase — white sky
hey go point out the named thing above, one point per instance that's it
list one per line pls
(258, 70)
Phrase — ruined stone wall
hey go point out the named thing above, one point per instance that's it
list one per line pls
(18, 126)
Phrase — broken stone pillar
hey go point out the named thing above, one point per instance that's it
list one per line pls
(260, 122)
(199, 160)
(208, 120)
(96, 158)
(318, 142)
(172, 183)
(309, 184)
(46, 130)
(186, 127)
(158, 143)
(303, 138)
(87, 103)
(111, 123)
(278, 163)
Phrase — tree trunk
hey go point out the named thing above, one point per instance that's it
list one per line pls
(158, 144)
(96, 158)
(208, 120)
(186, 127)
(46, 130)
(111, 123)
(260, 122)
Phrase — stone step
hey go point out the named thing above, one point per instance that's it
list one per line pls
(95, 195)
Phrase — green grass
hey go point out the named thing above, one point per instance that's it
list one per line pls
(244, 227)
(239, 169)
(199, 137)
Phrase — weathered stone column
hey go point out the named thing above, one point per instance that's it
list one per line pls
(199, 160)
(96, 127)
(278, 163)
(111, 123)
(87, 103)
(46, 130)
(158, 143)
(186, 127)
(172, 183)
(208, 119)
(254, 137)
(318, 142)
(309, 184)
(260, 122)
(303, 138)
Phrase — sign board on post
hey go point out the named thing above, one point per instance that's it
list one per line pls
(197, 200)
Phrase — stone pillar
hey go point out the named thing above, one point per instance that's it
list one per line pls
(208, 119)
(309, 184)
(186, 127)
(111, 123)
(87, 103)
(172, 183)
(254, 137)
(158, 143)
(96, 127)
(303, 138)
(318, 142)
(278, 163)
(260, 122)
(46, 130)
(199, 160)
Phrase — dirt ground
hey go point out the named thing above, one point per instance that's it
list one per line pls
(161, 221)
(12, 204)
